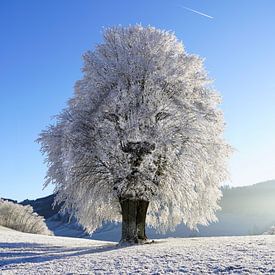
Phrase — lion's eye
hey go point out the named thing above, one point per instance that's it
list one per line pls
(112, 117)
(161, 116)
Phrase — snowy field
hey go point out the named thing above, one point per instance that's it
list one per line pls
(22, 253)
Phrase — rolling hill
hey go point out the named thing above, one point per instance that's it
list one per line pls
(246, 210)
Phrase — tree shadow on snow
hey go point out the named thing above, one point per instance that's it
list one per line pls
(20, 253)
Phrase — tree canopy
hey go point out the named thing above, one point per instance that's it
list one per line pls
(144, 123)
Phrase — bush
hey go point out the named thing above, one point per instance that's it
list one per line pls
(22, 218)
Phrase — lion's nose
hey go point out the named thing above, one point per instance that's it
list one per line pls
(139, 148)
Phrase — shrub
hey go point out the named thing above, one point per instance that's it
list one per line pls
(22, 218)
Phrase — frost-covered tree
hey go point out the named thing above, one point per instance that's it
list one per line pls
(22, 218)
(141, 138)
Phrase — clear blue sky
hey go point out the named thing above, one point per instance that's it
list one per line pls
(42, 43)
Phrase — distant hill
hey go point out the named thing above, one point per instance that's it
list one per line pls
(257, 199)
(246, 210)
(43, 206)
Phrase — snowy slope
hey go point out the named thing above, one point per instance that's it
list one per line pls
(22, 253)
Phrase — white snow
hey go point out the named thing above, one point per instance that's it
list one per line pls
(23, 253)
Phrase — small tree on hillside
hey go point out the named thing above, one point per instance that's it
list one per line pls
(141, 136)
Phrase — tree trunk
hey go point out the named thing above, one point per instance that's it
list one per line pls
(133, 220)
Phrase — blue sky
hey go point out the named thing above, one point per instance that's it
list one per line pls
(42, 43)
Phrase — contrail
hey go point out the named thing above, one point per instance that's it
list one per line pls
(198, 12)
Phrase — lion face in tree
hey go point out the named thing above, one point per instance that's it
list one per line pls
(143, 124)
(140, 133)
(138, 103)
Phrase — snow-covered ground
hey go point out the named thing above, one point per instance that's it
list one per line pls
(22, 253)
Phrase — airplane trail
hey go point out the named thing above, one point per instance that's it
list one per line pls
(197, 12)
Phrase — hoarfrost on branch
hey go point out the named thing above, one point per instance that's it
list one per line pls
(144, 124)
